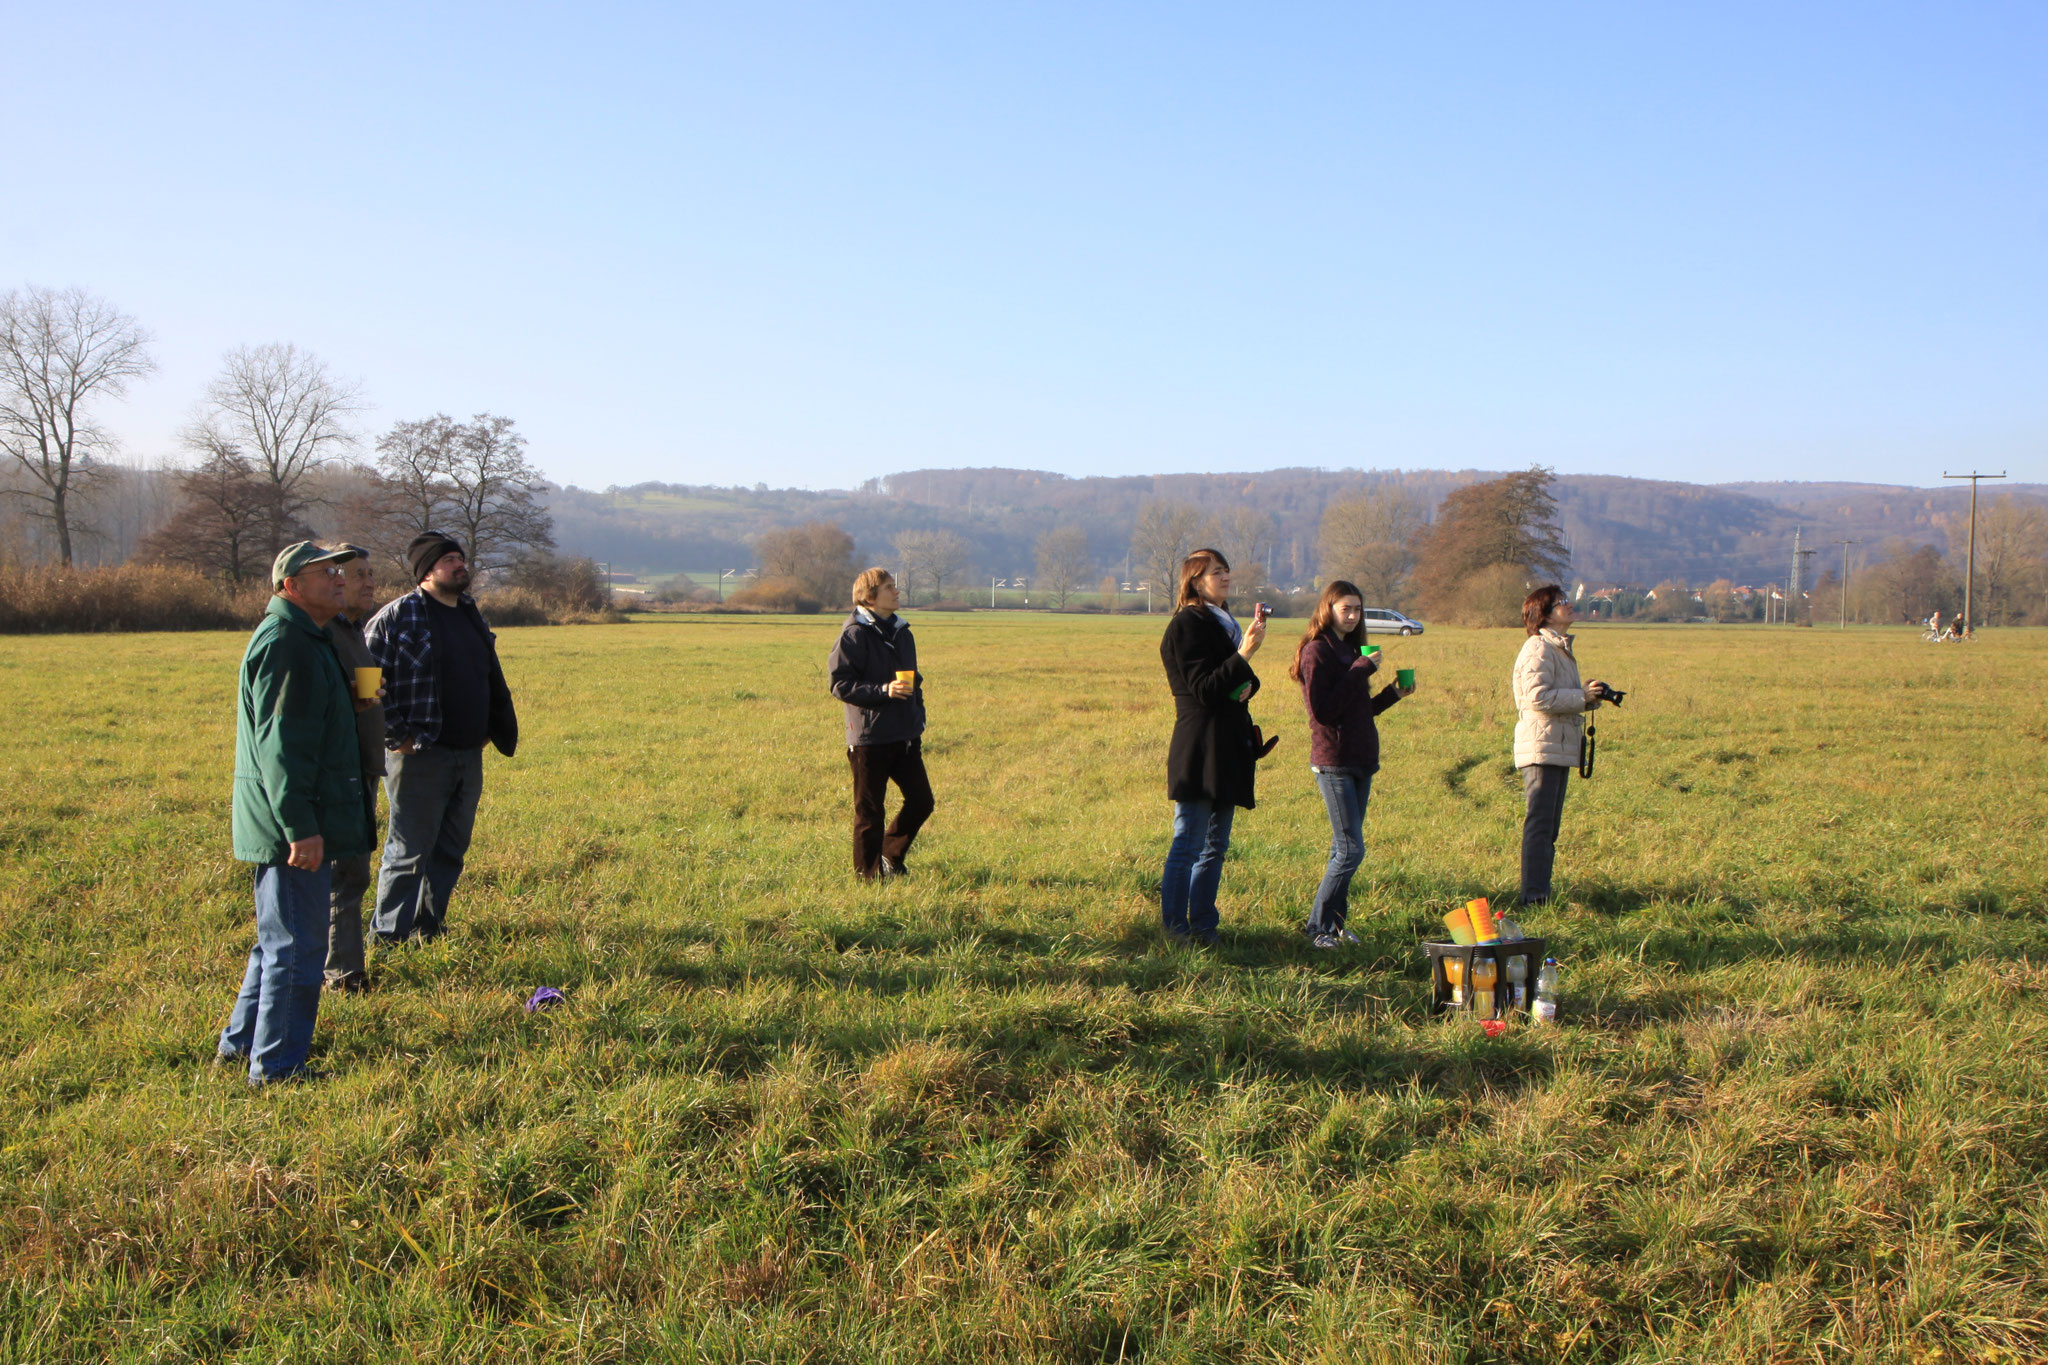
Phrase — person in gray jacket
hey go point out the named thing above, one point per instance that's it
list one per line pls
(1551, 705)
(345, 968)
(874, 671)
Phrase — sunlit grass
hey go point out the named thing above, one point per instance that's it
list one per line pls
(1794, 1110)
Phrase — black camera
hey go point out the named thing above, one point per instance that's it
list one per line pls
(1614, 695)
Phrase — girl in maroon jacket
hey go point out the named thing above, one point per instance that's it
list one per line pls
(1344, 744)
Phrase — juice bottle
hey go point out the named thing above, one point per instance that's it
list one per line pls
(1518, 982)
(1482, 921)
(1460, 927)
(1454, 972)
(1485, 974)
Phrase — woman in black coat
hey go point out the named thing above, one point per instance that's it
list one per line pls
(1209, 766)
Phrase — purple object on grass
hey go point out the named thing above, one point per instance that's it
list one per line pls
(546, 995)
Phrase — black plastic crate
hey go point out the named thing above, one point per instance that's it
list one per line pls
(1531, 949)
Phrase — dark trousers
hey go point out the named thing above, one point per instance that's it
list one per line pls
(345, 917)
(1543, 786)
(434, 795)
(875, 766)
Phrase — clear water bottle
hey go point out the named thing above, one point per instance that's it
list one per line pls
(1545, 1010)
(1518, 982)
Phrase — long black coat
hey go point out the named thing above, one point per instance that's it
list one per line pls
(1211, 755)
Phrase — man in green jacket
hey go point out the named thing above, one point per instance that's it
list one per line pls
(298, 806)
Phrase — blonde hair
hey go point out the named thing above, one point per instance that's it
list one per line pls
(869, 583)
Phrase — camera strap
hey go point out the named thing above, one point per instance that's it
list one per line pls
(1587, 745)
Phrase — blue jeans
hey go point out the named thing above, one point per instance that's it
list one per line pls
(272, 1022)
(1194, 868)
(433, 812)
(1345, 792)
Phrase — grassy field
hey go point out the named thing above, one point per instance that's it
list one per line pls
(1796, 1108)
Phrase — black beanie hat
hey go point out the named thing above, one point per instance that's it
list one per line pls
(426, 550)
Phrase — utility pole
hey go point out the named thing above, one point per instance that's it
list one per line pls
(1970, 564)
(1845, 544)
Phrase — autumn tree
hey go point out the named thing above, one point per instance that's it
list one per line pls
(60, 352)
(1487, 538)
(1162, 537)
(1063, 562)
(1911, 582)
(816, 556)
(225, 523)
(1369, 540)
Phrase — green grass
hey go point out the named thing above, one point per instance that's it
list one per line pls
(1794, 1109)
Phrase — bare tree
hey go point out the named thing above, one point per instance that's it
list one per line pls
(1063, 562)
(1368, 540)
(414, 458)
(493, 490)
(946, 556)
(1245, 536)
(930, 557)
(59, 350)
(284, 411)
(1164, 536)
(910, 556)
(2012, 545)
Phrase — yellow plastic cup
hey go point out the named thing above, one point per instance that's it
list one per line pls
(368, 680)
(907, 675)
(1482, 921)
(1460, 927)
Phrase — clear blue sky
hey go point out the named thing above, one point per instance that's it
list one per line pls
(808, 244)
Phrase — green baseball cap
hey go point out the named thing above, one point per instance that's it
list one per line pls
(301, 555)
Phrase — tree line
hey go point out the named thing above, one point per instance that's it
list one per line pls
(276, 454)
(1471, 563)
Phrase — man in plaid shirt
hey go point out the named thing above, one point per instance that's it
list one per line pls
(444, 696)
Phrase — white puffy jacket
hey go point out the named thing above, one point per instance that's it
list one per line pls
(1551, 703)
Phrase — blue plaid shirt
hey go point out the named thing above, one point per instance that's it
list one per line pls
(401, 639)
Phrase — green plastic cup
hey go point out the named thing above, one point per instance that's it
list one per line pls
(1405, 677)
(1367, 651)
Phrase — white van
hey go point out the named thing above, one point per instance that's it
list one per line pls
(1387, 621)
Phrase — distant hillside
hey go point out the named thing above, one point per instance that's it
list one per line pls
(1619, 530)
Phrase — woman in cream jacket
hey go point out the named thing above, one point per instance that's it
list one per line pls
(1552, 706)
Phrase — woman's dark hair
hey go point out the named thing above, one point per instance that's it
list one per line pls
(1538, 605)
(1193, 567)
(1325, 618)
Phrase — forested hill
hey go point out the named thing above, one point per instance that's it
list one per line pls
(1619, 529)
